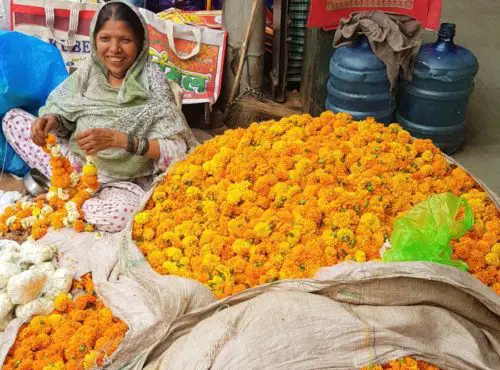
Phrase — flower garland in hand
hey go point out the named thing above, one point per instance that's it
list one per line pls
(80, 334)
(63, 204)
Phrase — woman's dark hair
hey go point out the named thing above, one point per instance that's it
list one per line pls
(121, 12)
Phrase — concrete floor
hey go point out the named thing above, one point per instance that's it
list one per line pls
(478, 30)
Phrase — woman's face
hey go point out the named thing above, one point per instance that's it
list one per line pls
(117, 47)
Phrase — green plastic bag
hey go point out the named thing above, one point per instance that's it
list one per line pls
(425, 231)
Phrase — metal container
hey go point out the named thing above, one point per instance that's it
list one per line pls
(359, 84)
(434, 104)
(36, 183)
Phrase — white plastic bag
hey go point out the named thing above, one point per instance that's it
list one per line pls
(7, 198)
(39, 306)
(6, 305)
(7, 270)
(9, 251)
(5, 321)
(6, 244)
(46, 267)
(59, 282)
(34, 253)
(26, 286)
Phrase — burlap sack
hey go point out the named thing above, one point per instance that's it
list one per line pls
(351, 316)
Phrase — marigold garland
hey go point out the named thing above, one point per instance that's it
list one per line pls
(62, 207)
(281, 199)
(79, 335)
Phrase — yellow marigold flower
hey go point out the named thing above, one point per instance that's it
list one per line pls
(189, 241)
(295, 133)
(207, 236)
(360, 256)
(58, 365)
(193, 191)
(142, 217)
(343, 219)
(496, 248)
(279, 145)
(210, 260)
(61, 302)
(89, 170)
(241, 247)
(277, 260)
(249, 196)
(262, 229)
(148, 233)
(427, 156)
(216, 281)
(284, 248)
(156, 258)
(36, 211)
(90, 360)
(159, 196)
(293, 236)
(492, 259)
(170, 267)
(277, 128)
(304, 166)
(173, 253)
(55, 319)
(170, 238)
(371, 221)
(345, 235)
(211, 167)
(236, 191)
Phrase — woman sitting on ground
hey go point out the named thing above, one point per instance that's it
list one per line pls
(117, 107)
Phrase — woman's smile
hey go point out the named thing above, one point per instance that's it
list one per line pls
(117, 48)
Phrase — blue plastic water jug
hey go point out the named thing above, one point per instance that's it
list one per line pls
(434, 104)
(359, 84)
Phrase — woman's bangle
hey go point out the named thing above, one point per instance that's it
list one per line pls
(130, 143)
(142, 147)
(59, 121)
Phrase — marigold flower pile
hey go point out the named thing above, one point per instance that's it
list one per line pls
(62, 206)
(406, 363)
(281, 199)
(80, 334)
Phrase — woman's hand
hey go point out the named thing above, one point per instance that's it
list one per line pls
(94, 140)
(41, 128)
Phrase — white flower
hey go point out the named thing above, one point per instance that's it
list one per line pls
(72, 212)
(54, 151)
(66, 222)
(25, 205)
(51, 194)
(62, 194)
(28, 222)
(75, 177)
(90, 191)
(89, 159)
(10, 220)
(46, 209)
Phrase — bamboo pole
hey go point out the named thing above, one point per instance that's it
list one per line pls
(243, 52)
